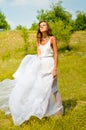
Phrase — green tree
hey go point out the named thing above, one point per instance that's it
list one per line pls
(56, 13)
(41, 15)
(3, 23)
(59, 20)
(80, 21)
(33, 26)
(19, 27)
(62, 32)
(25, 36)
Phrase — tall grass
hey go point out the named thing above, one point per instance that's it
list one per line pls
(71, 81)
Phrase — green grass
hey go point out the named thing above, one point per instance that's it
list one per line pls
(71, 80)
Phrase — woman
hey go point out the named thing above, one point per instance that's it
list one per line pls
(34, 90)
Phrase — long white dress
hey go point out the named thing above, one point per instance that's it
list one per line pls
(31, 92)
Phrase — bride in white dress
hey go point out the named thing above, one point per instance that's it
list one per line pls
(34, 90)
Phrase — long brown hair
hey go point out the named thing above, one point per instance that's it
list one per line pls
(39, 34)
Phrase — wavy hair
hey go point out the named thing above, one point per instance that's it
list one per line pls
(39, 33)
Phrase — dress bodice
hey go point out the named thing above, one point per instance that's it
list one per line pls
(46, 50)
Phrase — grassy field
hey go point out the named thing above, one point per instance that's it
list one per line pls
(71, 80)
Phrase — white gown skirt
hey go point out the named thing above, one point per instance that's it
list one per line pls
(30, 93)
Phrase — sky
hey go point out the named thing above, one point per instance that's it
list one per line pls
(24, 12)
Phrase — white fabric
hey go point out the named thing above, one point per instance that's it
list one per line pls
(31, 90)
(46, 50)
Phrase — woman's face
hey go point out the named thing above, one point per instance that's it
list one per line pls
(43, 27)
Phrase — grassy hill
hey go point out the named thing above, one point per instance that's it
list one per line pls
(12, 44)
(71, 80)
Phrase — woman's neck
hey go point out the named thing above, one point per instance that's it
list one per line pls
(45, 38)
(44, 35)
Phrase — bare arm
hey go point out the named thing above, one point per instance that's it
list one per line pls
(55, 49)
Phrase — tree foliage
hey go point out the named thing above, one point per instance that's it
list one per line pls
(59, 20)
(61, 31)
(19, 27)
(3, 23)
(33, 26)
(80, 21)
(25, 36)
(56, 13)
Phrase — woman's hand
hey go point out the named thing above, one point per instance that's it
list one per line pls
(54, 73)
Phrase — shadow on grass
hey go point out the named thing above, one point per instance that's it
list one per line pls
(64, 48)
(69, 105)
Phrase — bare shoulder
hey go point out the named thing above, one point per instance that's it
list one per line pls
(53, 39)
